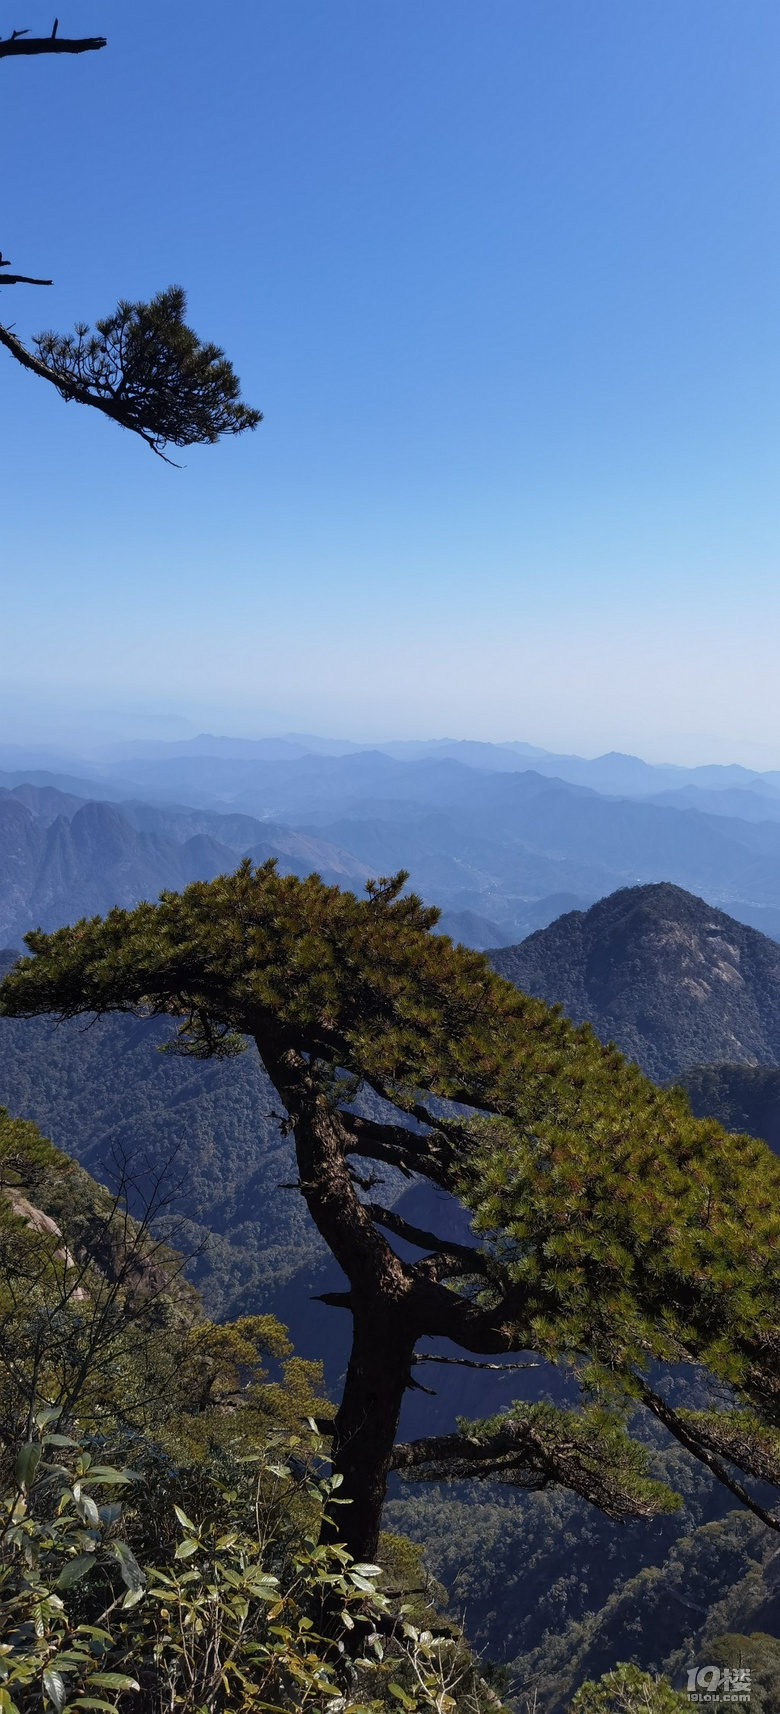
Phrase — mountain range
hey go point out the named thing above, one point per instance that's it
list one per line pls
(489, 833)
(614, 772)
(62, 856)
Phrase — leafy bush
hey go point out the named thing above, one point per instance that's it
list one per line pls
(232, 1608)
(626, 1690)
(162, 1497)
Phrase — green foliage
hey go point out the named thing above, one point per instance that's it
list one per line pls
(631, 1228)
(91, 1308)
(534, 1445)
(626, 1690)
(147, 369)
(361, 983)
(761, 1654)
(95, 1318)
(161, 1498)
(102, 1595)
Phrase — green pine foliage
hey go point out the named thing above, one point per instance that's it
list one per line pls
(145, 368)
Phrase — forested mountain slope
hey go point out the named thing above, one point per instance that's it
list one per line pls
(105, 1095)
(742, 1097)
(719, 1580)
(673, 981)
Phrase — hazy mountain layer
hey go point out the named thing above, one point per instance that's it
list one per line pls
(62, 857)
(479, 839)
(614, 773)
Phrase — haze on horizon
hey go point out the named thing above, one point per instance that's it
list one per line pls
(58, 738)
(504, 281)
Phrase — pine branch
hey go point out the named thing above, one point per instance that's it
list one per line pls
(539, 1446)
(147, 370)
(70, 389)
(683, 1432)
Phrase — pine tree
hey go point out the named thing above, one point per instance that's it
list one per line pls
(142, 367)
(612, 1232)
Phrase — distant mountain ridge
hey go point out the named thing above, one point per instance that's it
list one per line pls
(484, 844)
(62, 857)
(614, 773)
(673, 981)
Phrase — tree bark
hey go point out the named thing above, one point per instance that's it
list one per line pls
(392, 1302)
(367, 1422)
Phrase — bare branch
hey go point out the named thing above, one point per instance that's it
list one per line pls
(397, 1145)
(486, 1330)
(471, 1363)
(462, 1255)
(20, 279)
(334, 1299)
(21, 43)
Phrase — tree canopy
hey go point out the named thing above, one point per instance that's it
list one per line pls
(613, 1233)
(142, 367)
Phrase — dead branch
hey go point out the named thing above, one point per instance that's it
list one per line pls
(21, 280)
(471, 1363)
(462, 1256)
(22, 43)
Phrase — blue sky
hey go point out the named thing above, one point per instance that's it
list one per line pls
(503, 276)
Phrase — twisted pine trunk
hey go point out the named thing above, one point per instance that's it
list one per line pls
(380, 1298)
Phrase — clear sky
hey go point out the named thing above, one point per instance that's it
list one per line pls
(503, 276)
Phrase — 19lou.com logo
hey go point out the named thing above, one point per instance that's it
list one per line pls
(718, 1684)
